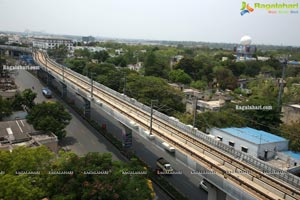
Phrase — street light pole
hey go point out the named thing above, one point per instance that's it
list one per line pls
(47, 70)
(124, 89)
(63, 73)
(279, 101)
(151, 116)
(92, 84)
(195, 111)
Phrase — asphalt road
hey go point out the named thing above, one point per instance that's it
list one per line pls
(81, 137)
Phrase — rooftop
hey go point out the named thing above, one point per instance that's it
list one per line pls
(215, 104)
(292, 154)
(41, 38)
(253, 135)
(295, 106)
(15, 130)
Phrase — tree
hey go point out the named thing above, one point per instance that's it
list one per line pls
(49, 117)
(225, 78)
(5, 108)
(17, 102)
(58, 53)
(179, 76)
(151, 66)
(148, 88)
(220, 119)
(76, 64)
(266, 119)
(101, 56)
(78, 185)
(292, 133)
(201, 85)
(28, 98)
(187, 65)
(24, 186)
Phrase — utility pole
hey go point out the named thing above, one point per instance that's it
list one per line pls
(195, 110)
(281, 82)
(47, 69)
(151, 116)
(63, 73)
(124, 88)
(92, 84)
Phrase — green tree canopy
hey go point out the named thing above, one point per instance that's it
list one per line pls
(79, 185)
(58, 53)
(49, 116)
(179, 76)
(5, 108)
(292, 133)
(148, 88)
(225, 78)
(28, 98)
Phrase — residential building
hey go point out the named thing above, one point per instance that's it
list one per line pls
(88, 39)
(91, 49)
(51, 43)
(8, 89)
(291, 113)
(135, 67)
(19, 133)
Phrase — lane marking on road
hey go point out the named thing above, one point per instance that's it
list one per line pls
(19, 126)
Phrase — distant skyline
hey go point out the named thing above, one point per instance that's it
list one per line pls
(178, 20)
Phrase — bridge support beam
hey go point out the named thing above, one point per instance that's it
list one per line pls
(214, 193)
(126, 136)
(64, 90)
(49, 79)
(87, 108)
(45, 76)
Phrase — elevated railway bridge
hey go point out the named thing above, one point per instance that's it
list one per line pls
(238, 175)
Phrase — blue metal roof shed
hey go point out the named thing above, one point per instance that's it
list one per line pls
(253, 135)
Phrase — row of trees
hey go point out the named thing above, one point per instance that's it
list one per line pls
(77, 185)
(142, 88)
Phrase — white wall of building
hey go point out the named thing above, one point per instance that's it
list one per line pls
(51, 43)
(256, 150)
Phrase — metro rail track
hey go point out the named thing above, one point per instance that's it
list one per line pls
(285, 191)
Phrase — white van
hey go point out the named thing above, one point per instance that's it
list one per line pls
(203, 184)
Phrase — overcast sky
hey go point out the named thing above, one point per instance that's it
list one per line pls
(190, 20)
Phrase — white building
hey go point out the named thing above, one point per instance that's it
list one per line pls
(135, 67)
(204, 106)
(90, 49)
(51, 43)
(254, 142)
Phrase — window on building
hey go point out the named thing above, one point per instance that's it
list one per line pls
(220, 138)
(244, 149)
(231, 143)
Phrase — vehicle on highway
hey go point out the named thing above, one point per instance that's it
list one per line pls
(203, 184)
(164, 166)
(47, 93)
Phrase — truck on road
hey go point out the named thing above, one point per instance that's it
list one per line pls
(164, 166)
